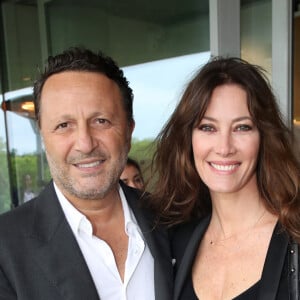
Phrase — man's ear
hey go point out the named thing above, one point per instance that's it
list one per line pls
(130, 131)
(131, 126)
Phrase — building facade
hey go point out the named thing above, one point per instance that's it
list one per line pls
(159, 45)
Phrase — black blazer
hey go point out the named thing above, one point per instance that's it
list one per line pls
(41, 260)
(277, 272)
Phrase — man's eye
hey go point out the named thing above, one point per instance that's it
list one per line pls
(62, 125)
(101, 121)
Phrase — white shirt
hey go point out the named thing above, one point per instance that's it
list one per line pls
(139, 266)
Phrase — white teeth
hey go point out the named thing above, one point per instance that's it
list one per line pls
(90, 165)
(223, 167)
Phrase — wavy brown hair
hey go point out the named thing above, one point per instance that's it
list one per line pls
(179, 194)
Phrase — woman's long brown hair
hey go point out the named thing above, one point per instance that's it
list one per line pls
(179, 194)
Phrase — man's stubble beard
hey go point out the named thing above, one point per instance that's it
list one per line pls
(107, 181)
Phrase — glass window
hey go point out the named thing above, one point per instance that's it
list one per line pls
(296, 83)
(159, 45)
(5, 198)
(132, 32)
(21, 43)
(256, 32)
(29, 172)
(22, 55)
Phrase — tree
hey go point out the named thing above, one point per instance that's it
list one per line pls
(142, 151)
(5, 200)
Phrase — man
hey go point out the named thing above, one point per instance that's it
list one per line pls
(85, 236)
(132, 174)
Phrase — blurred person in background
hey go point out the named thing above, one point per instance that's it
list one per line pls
(28, 192)
(132, 174)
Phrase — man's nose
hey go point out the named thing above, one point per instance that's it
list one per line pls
(85, 141)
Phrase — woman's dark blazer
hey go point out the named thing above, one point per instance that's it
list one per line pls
(278, 281)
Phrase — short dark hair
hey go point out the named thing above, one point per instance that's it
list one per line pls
(82, 59)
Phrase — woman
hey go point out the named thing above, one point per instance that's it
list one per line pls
(132, 174)
(228, 183)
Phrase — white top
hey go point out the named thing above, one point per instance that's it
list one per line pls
(139, 267)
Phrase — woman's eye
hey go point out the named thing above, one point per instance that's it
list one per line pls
(138, 180)
(243, 127)
(206, 127)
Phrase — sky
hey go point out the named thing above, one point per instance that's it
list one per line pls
(157, 88)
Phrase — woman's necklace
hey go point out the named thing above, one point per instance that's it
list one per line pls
(216, 242)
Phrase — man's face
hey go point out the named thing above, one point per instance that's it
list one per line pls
(86, 133)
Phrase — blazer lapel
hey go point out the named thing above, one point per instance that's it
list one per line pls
(272, 268)
(57, 252)
(158, 243)
(185, 267)
(273, 265)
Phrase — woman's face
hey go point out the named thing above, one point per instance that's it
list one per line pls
(132, 177)
(226, 142)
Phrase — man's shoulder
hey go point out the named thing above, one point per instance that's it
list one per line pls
(139, 204)
(19, 219)
(15, 226)
(146, 218)
(23, 211)
(134, 197)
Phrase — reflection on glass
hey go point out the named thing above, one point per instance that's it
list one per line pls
(132, 33)
(157, 87)
(256, 32)
(5, 200)
(28, 167)
(296, 86)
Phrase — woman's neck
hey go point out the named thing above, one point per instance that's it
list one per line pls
(235, 212)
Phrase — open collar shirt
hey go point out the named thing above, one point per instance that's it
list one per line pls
(139, 267)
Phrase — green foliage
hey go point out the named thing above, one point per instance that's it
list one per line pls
(2, 145)
(142, 151)
(22, 165)
(4, 179)
(32, 164)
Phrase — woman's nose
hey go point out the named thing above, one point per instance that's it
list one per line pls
(225, 144)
